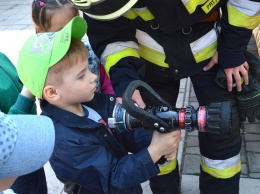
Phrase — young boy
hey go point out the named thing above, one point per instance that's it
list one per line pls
(88, 156)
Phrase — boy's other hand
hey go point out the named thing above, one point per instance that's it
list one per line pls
(164, 144)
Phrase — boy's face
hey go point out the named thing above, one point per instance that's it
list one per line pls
(79, 84)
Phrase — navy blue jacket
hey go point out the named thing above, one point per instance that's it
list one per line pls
(96, 161)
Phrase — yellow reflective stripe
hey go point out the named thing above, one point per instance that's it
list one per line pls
(204, 47)
(150, 50)
(237, 18)
(205, 53)
(167, 168)
(153, 56)
(248, 7)
(224, 173)
(221, 168)
(115, 57)
(191, 5)
(116, 47)
(144, 13)
(130, 14)
(209, 5)
(221, 164)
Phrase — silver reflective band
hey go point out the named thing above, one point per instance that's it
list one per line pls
(116, 47)
(249, 8)
(146, 40)
(204, 42)
(220, 164)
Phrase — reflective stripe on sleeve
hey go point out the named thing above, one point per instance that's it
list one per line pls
(144, 13)
(221, 168)
(244, 13)
(167, 167)
(205, 47)
(150, 50)
(118, 50)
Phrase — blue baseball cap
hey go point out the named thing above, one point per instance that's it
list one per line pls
(26, 142)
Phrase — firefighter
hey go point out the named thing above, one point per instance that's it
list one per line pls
(161, 42)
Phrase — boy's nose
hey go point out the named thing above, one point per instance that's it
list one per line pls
(94, 77)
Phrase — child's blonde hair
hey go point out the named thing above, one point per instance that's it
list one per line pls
(76, 53)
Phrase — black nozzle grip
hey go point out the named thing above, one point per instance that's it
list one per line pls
(150, 98)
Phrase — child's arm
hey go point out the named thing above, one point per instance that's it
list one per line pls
(95, 168)
(90, 164)
(156, 144)
(25, 103)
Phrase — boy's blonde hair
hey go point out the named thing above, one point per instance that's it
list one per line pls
(77, 52)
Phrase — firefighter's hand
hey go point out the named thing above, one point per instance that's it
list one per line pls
(238, 73)
(213, 61)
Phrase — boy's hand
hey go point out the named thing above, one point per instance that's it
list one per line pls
(164, 144)
(171, 156)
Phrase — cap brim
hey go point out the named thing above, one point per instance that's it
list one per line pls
(34, 146)
(76, 29)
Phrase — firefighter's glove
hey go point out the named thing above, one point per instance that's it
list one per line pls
(249, 105)
(248, 99)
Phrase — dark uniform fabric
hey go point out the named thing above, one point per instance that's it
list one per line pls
(174, 28)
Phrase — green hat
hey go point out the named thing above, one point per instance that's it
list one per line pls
(42, 51)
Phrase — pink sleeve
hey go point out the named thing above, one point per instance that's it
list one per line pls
(106, 86)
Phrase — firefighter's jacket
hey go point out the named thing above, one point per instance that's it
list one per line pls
(182, 35)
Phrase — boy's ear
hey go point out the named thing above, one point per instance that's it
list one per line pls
(50, 93)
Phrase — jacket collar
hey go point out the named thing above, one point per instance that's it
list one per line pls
(67, 118)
